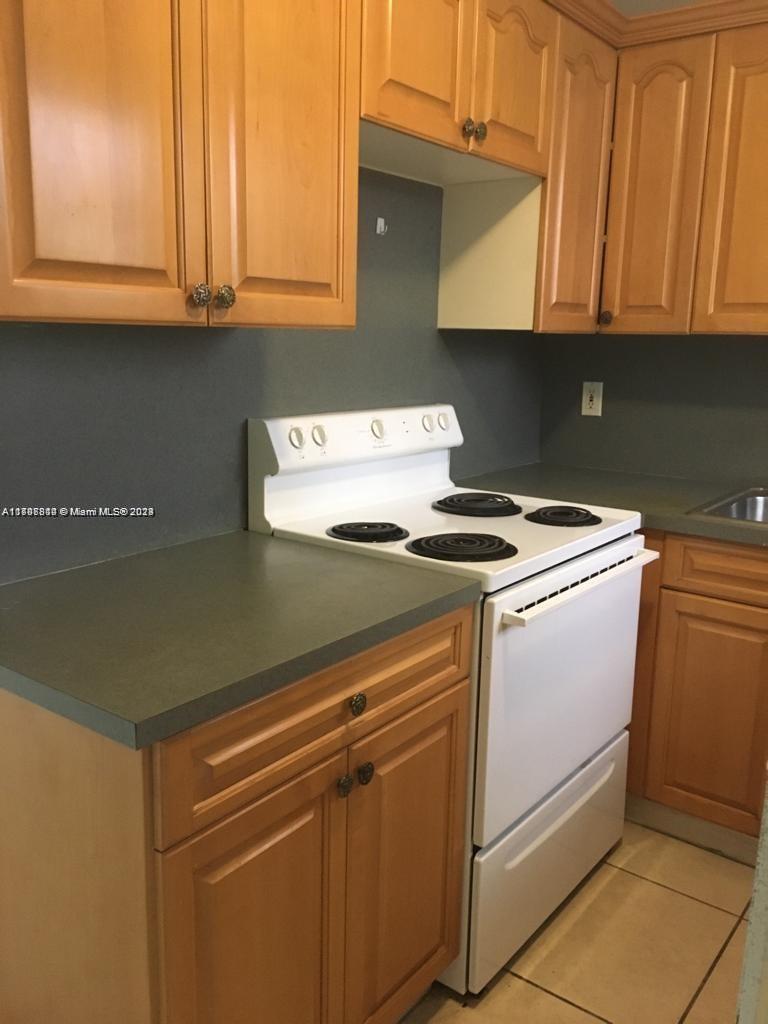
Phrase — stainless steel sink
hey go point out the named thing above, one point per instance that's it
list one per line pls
(749, 506)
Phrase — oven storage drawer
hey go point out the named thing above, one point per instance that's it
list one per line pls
(520, 879)
(556, 680)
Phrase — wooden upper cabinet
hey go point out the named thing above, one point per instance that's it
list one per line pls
(573, 208)
(709, 724)
(732, 273)
(283, 83)
(102, 211)
(513, 81)
(417, 66)
(662, 111)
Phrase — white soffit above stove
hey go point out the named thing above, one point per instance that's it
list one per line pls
(394, 152)
(489, 240)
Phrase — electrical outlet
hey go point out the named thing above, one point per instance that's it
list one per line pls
(592, 398)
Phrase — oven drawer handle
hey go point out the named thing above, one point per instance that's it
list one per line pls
(563, 819)
(553, 603)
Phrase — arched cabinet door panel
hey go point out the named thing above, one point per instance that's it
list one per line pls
(573, 208)
(417, 65)
(514, 81)
(102, 209)
(660, 141)
(732, 274)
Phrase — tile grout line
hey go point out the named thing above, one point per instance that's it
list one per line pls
(669, 888)
(708, 974)
(562, 999)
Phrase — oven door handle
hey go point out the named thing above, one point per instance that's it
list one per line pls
(552, 604)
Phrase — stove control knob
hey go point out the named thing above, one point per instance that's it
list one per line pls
(320, 435)
(378, 429)
(296, 437)
(428, 422)
(443, 420)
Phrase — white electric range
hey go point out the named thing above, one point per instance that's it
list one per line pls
(554, 648)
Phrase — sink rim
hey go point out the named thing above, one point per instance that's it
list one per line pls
(710, 508)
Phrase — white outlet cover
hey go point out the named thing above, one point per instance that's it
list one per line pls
(592, 398)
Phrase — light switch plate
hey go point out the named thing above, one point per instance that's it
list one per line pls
(592, 398)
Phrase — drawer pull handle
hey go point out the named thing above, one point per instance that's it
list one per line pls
(365, 773)
(566, 816)
(345, 784)
(468, 128)
(481, 131)
(525, 618)
(358, 704)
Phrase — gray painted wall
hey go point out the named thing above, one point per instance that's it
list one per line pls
(692, 407)
(95, 415)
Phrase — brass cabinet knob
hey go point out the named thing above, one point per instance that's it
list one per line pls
(226, 296)
(468, 128)
(358, 704)
(606, 317)
(345, 784)
(365, 773)
(201, 294)
(481, 131)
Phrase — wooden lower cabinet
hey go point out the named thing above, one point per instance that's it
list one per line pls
(253, 910)
(709, 725)
(260, 912)
(331, 895)
(405, 853)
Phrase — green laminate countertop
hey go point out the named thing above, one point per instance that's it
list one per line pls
(142, 647)
(665, 502)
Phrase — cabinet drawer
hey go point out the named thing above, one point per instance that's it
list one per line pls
(209, 771)
(735, 571)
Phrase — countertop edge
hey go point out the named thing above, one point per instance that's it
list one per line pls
(141, 734)
(99, 720)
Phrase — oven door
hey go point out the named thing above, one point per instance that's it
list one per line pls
(556, 676)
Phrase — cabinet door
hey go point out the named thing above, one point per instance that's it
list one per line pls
(417, 65)
(573, 214)
(732, 273)
(253, 910)
(662, 109)
(283, 82)
(102, 211)
(514, 81)
(709, 723)
(405, 858)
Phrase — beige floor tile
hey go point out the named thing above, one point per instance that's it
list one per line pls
(718, 999)
(688, 869)
(627, 949)
(508, 1000)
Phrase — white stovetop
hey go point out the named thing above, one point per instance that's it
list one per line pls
(539, 547)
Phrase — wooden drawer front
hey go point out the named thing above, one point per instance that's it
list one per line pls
(735, 571)
(209, 771)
